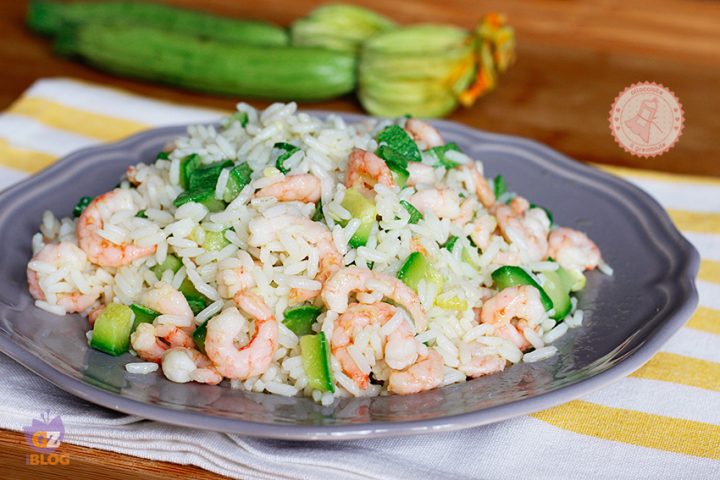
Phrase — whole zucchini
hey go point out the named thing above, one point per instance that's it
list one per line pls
(279, 73)
(49, 17)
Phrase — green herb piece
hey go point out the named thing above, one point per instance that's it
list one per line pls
(450, 243)
(162, 156)
(241, 117)
(240, 176)
(187, 166)
(439, 153)
(80, 206)
(289, 151)
(141, 214)
(500, 186)
(398, 139)
(415, 215)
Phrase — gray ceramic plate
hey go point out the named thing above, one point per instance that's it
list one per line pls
(628, 317)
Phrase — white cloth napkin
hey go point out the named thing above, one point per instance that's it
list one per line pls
(654, 424)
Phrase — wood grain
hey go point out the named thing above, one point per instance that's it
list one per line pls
(574, 57)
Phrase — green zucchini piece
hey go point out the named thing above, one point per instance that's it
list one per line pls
(112, 328)
(556, 289)
(300, 319)
(417, 268)
(206, 196)
(215, 241)
(415, 215)
(512, 276)
(142, 315)
(240, 176)
(574, 280)
(363, 209)
(315, 353)
(171, 263)
(199, 336)
(80, 206)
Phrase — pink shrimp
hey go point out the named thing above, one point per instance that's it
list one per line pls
(400, 349)
(527, 231)
(513, 309)
(482, 231)
(443, 202)
(481, 363)
(336, 292)
(255, 357)
(423, 375)
(573, 249)
(293, 188)
(182, 365)
(484, 192)
(365, 169)
(61, 255)
(420, 174)
(424, 132)
(98, 249)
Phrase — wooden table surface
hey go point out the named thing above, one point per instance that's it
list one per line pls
(573, 59)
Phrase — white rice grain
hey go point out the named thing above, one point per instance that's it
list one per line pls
(539, 354)
(141, 368)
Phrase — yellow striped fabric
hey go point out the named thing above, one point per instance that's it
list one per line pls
(688, 367)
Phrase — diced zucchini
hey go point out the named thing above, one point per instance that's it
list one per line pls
(240, 175)
(187, 166)
(363, 209)
(452, 303)
(574, 279)
(207, 176)
(171, 263)
(215, 241)
(206, 196)
(80, 206)
(195, 299)
(199, 336)
(300, 319)
(315, 353)
(512, 276)
(111, 332)
(417, 268)
(142, 315)
(415, 215)
(555, 288)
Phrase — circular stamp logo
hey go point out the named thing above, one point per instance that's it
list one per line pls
(646, 119)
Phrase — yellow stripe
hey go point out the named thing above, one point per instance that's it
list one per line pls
(709, 271)
(636, 428)
(671, 367)
(705, 319)
(57, 115)
(702, 222)
(659, 176)
(22, 159)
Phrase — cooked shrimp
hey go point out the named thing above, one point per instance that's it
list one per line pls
(146, 344)
(573, 249)
(99, 250)
(255, 357)
(293, 188)
(163, 298)
(234, 275)
(400, 349)
(443, 202)
(513, 309)
(482, 231)
(482, 363)
(365, 169)
(337, 290)
(519, 205)
(420, 174)
(62, 255)
(424, 132)
(467, 211)
(426, 374)
(527, 231)
(484, 192)
(182, 365)
(264, 230)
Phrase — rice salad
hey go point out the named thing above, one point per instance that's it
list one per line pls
(296, 255)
